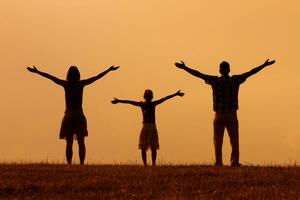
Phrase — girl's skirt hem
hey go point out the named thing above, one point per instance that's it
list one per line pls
(148, 137)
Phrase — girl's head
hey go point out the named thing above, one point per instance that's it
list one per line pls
(73, 74)
(148, 95)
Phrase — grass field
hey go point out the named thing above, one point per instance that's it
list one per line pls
(55, 181)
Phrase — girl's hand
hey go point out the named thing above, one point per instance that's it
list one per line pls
(32, 69)
(179, 93)
(115, 101)
(112, 68)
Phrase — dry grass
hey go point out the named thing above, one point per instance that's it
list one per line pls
(54, 181)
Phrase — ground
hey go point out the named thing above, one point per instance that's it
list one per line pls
(59, 181)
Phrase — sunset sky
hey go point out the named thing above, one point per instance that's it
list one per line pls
(145, 38)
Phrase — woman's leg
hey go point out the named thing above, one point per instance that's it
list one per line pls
(153, 154)
(69, 150)
(81, 146)
(144, 156)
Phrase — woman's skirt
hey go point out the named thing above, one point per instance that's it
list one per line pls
(148, 137)
(73, 125)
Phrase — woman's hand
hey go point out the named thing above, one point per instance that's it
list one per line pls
(180, 65)
(113, 68)
(32, 69)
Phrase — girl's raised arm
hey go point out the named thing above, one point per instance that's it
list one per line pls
(134, 103)
(95, 78)
(52, 78)
(178, 93)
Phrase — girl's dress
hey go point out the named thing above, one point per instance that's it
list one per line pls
(148, 135)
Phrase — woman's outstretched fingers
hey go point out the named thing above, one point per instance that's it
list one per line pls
(32, 69)
(114, 67)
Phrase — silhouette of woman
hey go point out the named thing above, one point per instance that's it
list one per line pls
(74, 123)
(148, 136)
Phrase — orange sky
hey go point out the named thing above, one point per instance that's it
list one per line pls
(145, 38)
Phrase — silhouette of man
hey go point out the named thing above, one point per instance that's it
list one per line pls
(225, 104)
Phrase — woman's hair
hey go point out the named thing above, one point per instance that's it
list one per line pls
(73, 74)
(148, 94)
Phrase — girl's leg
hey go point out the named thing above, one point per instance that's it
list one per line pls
(144, 156)
(153, 154)
(69, 150)
(81, 146)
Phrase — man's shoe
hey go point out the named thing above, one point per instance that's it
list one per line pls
(236, 164)
(218, 165)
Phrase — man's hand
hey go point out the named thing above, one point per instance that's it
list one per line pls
(115, 101)
(180, 65)
(113, 68)
(267, 63)
(179, 93)
(32, 69)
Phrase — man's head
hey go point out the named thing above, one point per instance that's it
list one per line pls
(224, 68)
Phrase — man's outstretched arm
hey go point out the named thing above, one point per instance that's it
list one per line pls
(178, 93)
(53, 78)
(257, 69)
(95, 78)
(134, 103)
(196, 73)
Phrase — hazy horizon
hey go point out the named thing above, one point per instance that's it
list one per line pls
(145, 38)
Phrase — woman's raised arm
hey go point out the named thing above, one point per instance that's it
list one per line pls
(95, 78)
(48, 76)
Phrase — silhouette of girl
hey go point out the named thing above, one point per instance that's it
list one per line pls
(148, 136)
(74, 123)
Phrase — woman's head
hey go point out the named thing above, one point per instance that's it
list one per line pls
(73, 74)
(148, 95)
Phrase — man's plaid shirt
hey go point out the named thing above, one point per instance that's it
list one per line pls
(225, 91)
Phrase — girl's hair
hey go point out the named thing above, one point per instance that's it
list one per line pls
(73, 74)
(148, 94)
